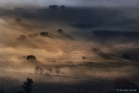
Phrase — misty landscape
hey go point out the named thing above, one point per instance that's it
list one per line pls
(69, 49)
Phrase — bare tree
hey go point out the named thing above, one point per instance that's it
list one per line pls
(57, 71)
(38, 70)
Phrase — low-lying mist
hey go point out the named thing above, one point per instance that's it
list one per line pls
(72, 48)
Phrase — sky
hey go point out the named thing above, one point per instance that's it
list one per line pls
(82, 3)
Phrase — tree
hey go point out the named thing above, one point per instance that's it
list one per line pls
(84, 57)
(31, 58)
(28, 85)
(22, 38)
(60, 31)
(18, 20)
(62, 7)
(53, 7)
(57, 71)
(44, 33)
(39, 70)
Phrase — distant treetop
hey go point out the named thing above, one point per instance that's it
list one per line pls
(53, 7)
(18, 20)
(62, 7)
(60, 31)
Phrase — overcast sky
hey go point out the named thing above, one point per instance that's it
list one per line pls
(39, 3)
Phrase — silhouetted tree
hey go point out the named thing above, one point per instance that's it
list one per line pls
(62, 7)
(28, 85)
(22, 38)
(95, 49)
(53, 7)
(126, 56)
(39, 70)
(44, 33)
(31, 58)
(60, 31)
(18, 20)
(84, 57)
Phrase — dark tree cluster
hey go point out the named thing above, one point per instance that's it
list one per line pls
(62, 7)
(60, 31)
(54, 7)
(31, 58)
(44, 34)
